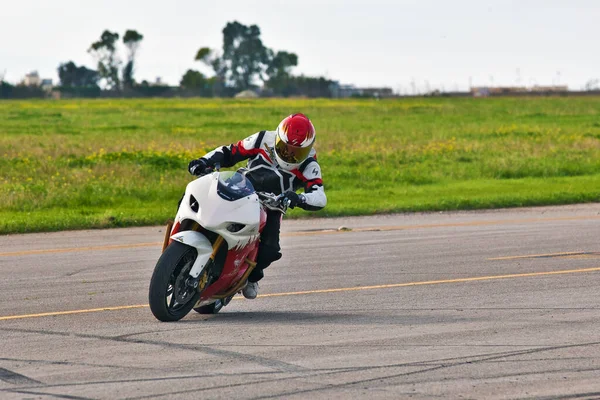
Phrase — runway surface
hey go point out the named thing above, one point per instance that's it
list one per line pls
(491, 304)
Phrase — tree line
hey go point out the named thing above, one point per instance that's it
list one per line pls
(243, 63)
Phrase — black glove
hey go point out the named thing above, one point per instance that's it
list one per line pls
(294, 198)
(197, 167)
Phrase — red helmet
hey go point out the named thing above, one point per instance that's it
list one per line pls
(294, 141)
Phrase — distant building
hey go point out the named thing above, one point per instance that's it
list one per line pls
(550, 89)
(378, 92)
(491, 91)
(46, 84)
(344, 91)
(32, 79)
(508, 90)
(338, 90)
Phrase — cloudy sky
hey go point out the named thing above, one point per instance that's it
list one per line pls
(434, 44)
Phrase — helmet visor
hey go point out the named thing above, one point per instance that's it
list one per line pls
(290, 153)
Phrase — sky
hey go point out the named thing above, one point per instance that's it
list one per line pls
(408, 45)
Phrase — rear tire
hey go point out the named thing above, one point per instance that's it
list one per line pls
(169, 296)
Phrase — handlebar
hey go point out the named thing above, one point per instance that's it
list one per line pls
(209, 170)
(274, 202)
(269, 200)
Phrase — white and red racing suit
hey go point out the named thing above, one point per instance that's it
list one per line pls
(267, 176)
(264, 172)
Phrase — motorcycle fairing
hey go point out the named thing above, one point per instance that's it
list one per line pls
(236, 269)
(202, 245)
(216, 214)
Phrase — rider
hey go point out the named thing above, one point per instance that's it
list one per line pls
(280, 161)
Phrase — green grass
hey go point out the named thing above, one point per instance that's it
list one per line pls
(105, 163)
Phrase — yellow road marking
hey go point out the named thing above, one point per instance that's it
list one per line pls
(458, 280)
(564, 254)
(319, 291)
(91, 310)
(445, 225)
(317, 232)
(73, 249)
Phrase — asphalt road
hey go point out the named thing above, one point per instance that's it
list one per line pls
(495, 304)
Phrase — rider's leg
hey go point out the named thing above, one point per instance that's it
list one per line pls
(269, 249)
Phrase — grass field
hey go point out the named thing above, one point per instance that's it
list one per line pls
(105, 163)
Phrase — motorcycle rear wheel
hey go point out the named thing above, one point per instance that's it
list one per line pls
(169, 296)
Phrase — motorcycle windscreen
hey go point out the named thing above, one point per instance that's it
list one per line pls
(233, 186)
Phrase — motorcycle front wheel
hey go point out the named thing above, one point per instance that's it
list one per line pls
(172, 294)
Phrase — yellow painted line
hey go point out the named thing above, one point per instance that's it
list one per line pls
(458, 280)
(73, 249)
(564, 254)
(319, 291)
(316, 232)
(91, 310)
(445, 225)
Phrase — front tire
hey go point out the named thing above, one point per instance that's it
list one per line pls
(170, 296)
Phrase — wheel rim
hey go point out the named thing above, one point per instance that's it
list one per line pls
(178, 292)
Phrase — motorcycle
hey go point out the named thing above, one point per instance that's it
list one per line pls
(210, 248)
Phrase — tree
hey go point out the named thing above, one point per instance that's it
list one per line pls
(208, 57)
(6, 89)
(193, 79)
(74, 76)
(311, 86)
(204, 55)
(281, 63)
(215, 85)
(105, 52)
(592, 84)
(132, 40)
(245, 62)
(279, 71)
(244, 55)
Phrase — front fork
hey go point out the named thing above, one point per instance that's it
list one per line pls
(167, 238)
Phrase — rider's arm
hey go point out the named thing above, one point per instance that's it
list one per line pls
(315, 198)
(309, 173)
(228, 156)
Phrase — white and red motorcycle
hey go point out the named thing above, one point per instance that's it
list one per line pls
(211, 248)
